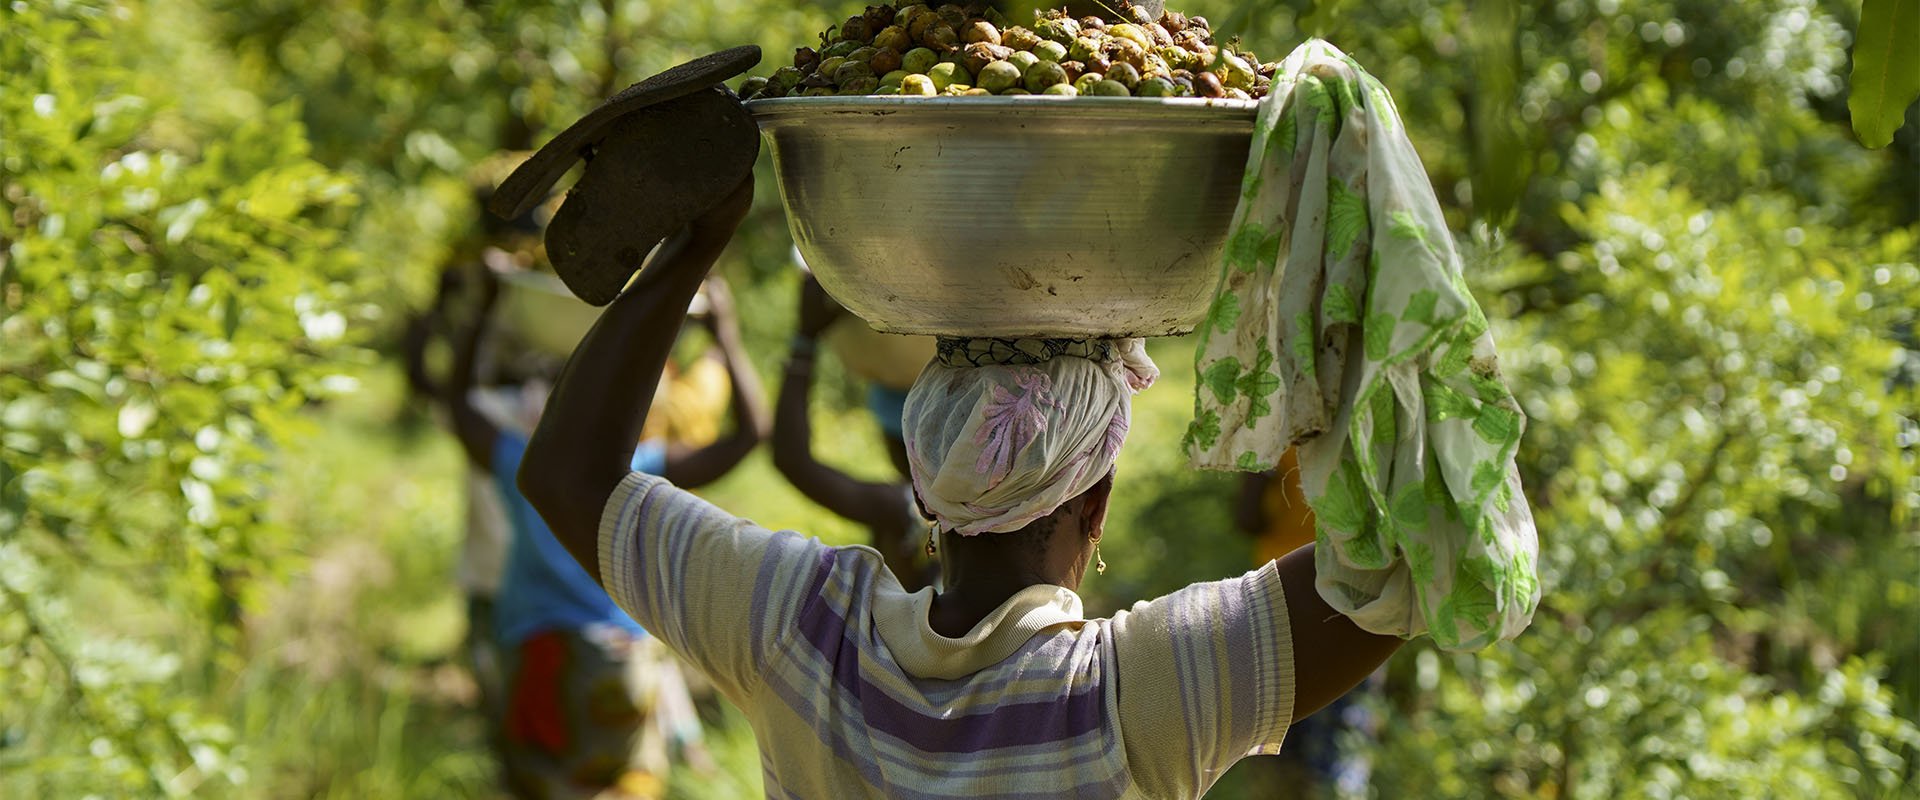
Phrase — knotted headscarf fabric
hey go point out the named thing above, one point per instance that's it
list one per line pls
(1001, 432)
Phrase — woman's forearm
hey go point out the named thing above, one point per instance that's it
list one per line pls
(580, 451)
(1331, 654)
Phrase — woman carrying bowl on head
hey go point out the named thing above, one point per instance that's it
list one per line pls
(996, 684)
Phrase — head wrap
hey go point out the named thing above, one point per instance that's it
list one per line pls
(1000, 432)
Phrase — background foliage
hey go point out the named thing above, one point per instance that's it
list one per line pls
(225, 540)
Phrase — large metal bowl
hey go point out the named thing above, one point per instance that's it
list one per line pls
(1012, 216)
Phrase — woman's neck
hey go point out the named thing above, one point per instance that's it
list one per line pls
(981, 573)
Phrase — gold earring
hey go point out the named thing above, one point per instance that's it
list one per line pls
(1099, 564)
(932, 529)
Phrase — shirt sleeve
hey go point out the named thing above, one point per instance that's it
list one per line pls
(1206, 677)
(717, 589)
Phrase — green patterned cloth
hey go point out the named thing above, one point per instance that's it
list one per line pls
(1342, 324)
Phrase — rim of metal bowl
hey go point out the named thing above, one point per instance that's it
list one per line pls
(1187, 110)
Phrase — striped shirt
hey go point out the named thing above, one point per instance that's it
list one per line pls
(852, 694)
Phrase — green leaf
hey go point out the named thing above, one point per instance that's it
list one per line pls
(1487, 475)
(1303, 342)
(1221, 377)
(1382, 103)
(1497, 425)
(1318, 98)
(1379, 336)
(1420, 306)
(1340, 305)
(1253, 246)
(1258, 384)
(1340, 506)
(1404, 225)
(1410, 507)
(1225, 312)
(1886, 68)
(1385, 421)
(1204, 431)
(1444, 403)
(1346, 217)
(1289, 137)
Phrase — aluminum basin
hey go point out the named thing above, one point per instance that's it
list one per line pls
(1012, 216)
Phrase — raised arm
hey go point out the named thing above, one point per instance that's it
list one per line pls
(696, 467)
(477, 435)
(581, 450)
(1331, 654)
(879, 506)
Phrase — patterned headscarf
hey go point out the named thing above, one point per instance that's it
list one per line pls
(1000, 432)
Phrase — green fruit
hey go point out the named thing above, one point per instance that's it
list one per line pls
(980, 30)
(1061, 89)
(862, 54)
(752, 86)
(831, 65)
(894, 78)
(885, 60)
(1019, 38)
(1016, 90)
(856, 29)
(919, 86)
(976, 92)
(1154, 87)
(817, 91)
(1083, 48)
(895, 37)
(887, 90)
(1238, 74)
(1131, 32)
(1239, 94)
(1051, 51)
(840, 49)
(1110, 88)
(785, 78)
(851, 71)
(1024, 60)
(999, 76)
(1125, 75)
(866, 85)
(919, 60)
(918, 26)
(1043, 75)
(947, 74)
(940, 37)
(979, 54)
(1063, 31)
(1085, 82)
(1128, 51)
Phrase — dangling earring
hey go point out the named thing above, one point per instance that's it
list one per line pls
(932, 529)
(1099, 564)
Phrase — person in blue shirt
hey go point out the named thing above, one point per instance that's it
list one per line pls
(577, 666)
